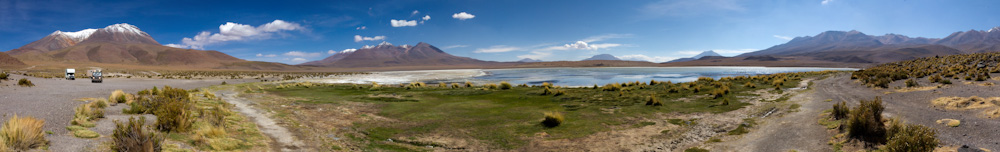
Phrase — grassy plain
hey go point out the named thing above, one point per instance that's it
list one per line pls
(484, 116)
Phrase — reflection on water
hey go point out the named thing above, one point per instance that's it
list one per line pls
(600, 76)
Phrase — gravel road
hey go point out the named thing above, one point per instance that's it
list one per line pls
(53, 100)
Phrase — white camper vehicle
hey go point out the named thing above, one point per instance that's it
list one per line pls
(70, 74)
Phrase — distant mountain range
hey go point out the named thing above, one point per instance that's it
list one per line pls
(125, 44)
(699, 56)
(386, 54)
(857, 47)
(602, 57)
(528, 60)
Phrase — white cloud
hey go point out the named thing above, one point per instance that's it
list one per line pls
(783, 37)
(640, 57)
(826, 2)
(497, 49)
(299, 60)
(537, 55)
(176, 45)
(301, 54)
(266, 55)
(359, 38)
(331, 52)
(362, 28)
(403, 23)
(415, 12)
(454, 46)
(236, 32)
(348, 50)
(605, 37)
(426, 17)
(581, 45)
(463, 16)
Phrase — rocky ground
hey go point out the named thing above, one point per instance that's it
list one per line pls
(53, 100)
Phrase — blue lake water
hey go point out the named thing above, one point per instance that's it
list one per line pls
(601, 76)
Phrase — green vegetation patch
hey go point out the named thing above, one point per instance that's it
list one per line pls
(507, 118)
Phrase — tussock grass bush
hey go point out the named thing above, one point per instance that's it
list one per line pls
(133, 136)
(442, 85)
(911, 83)
(468, 84)
(840, 110)
(910, 138)
(546, 84)
(653, 101)
(86, 133)
(559, 93)
(553, 119)
(88, 112)
(612, 87)
(25, 83)
(865, 122)
(492, 86)
(504, 85)
(23, 133)
(174, 116)
(117, 96)
(455, 85)
(936, 78)
(4, 76)
(547, 91)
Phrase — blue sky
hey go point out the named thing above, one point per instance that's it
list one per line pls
(657, 30)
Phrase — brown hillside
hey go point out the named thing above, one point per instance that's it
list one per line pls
(9, 61)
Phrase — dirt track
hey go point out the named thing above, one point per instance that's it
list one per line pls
(53, 100)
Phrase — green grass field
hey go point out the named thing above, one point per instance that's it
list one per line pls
(503, 119)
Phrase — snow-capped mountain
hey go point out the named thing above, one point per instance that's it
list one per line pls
(117, 33)
(120, 33)
(385, 54)
(696, 57)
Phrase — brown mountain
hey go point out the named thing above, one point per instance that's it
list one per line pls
(973, 40)
(9, 61)
(857, 47)
(125, 44)
(385, 55)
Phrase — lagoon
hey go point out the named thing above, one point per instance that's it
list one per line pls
(564, 76)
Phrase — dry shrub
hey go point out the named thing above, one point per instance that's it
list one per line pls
(912, 138)
(25, 83)
(132, 136)
(653, 101)
(174, 116)
(559, 93)
(23, 133)
(546, 84)
(547, 91)
(88, 112)
(552, 119)
(118, 96)
(973, 102)
(865, 122)
(504, 85)
(840, 111)
(612, 87)
(950, 122)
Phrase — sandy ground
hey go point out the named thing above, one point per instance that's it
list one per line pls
(800, 130)
(53, 100)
